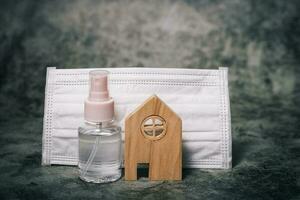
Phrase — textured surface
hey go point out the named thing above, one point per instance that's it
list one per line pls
(258, 40)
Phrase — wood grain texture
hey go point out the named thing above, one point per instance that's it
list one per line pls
(164, 152)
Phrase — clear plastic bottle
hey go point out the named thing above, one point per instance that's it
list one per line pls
(99, 152)
(99, 140)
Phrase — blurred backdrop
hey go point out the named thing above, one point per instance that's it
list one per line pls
(258, 40)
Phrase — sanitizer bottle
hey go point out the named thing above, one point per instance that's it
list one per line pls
(99, 140)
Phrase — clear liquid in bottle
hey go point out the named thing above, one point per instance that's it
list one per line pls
(99, 153)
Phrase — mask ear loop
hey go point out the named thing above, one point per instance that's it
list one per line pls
(93, 153)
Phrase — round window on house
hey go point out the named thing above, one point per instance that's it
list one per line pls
(154, 127)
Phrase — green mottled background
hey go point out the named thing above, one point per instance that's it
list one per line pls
(258, 40)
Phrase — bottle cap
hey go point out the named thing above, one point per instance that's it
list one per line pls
(98, 107)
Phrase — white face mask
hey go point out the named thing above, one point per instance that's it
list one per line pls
(199, 97)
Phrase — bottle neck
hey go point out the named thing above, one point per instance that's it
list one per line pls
(99, 124)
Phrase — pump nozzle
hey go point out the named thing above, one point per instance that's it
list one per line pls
(98, 85)
(98, 107)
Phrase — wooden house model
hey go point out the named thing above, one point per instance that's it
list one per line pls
(153, 135)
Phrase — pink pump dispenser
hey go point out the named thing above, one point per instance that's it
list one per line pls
(98, 107)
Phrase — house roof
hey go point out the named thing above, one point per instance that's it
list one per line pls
(154, 99)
